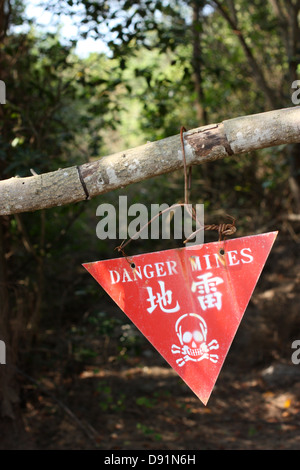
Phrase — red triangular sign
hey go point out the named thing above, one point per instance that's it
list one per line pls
(188, 302)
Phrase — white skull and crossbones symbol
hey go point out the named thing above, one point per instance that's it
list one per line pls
(191, 330)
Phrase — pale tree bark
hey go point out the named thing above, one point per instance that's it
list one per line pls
(203, 144)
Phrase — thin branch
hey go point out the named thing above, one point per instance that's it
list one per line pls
(88, 430)
(257, 70)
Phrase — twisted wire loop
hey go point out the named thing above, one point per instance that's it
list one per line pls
(223, 230)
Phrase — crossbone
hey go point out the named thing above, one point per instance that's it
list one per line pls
(200, 353)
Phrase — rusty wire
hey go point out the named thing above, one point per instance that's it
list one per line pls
(223, 230)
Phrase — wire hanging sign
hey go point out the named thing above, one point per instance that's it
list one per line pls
(189, 301)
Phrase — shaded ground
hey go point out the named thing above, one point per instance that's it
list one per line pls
(101, 385)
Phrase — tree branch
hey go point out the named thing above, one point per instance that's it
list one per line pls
(203, 144)
(257, 70)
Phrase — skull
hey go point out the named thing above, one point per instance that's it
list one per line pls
(191, 330)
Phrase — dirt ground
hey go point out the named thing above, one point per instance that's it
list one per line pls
(110, 389)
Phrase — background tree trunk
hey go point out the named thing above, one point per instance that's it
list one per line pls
(12, 426)
(197, 61)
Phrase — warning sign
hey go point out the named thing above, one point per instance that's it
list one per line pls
(188, 302)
